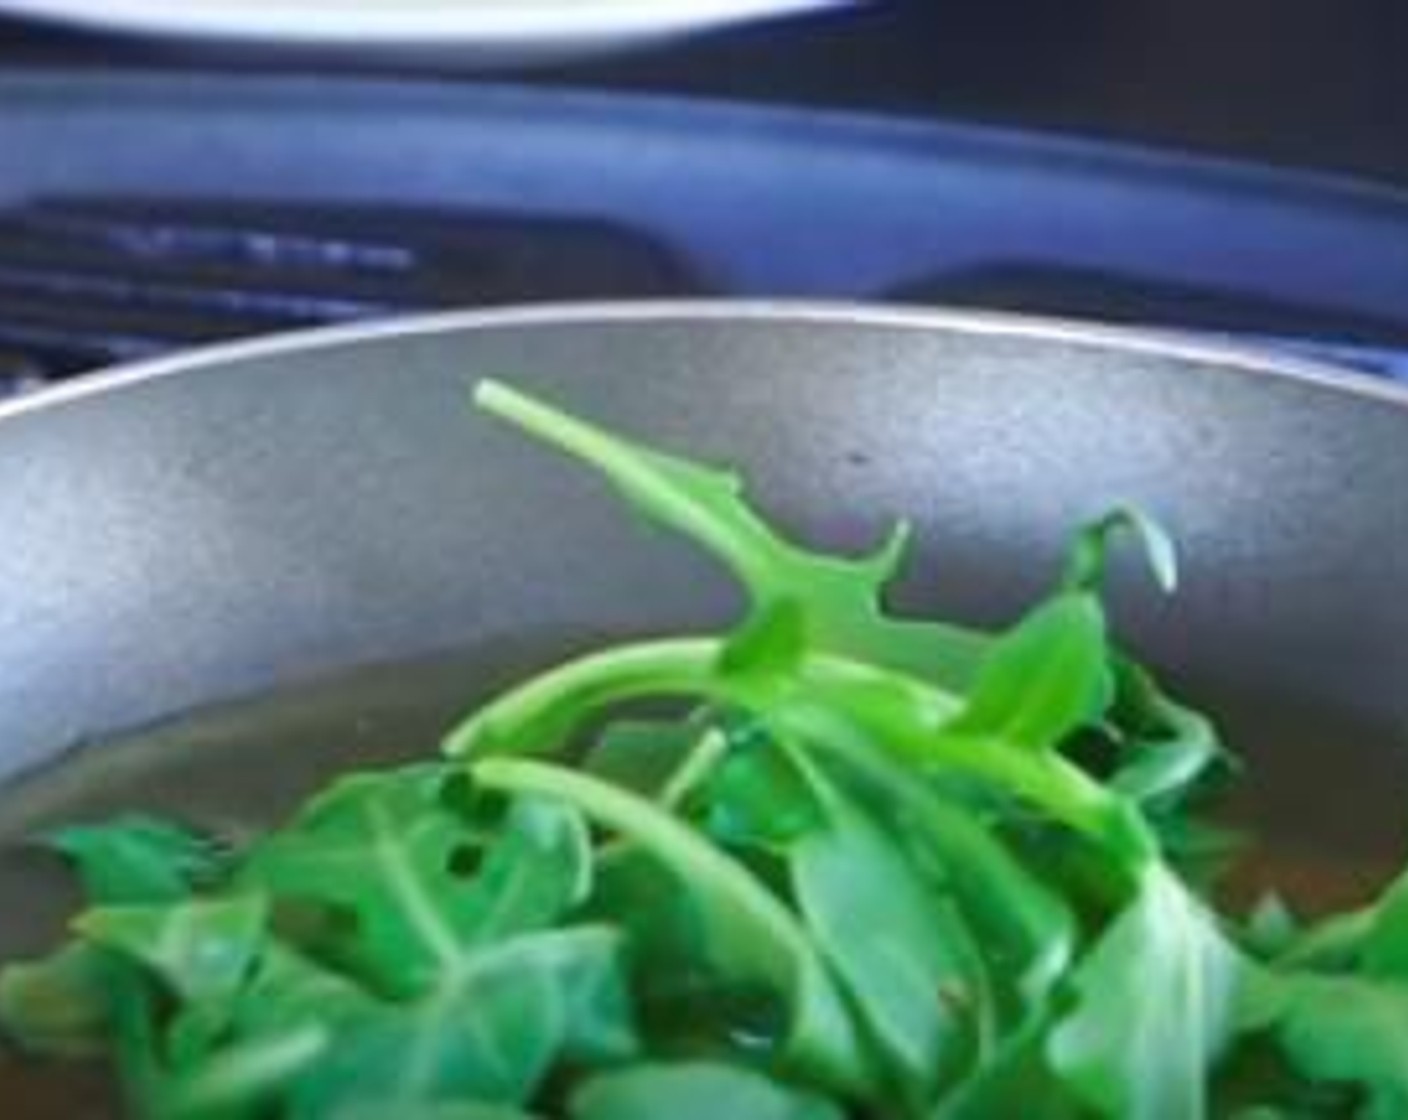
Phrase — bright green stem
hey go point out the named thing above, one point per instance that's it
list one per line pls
(900, 713)
(694, 768)
(739, 542)
(539, 715)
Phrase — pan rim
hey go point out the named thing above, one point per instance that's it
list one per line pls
(1225, 357)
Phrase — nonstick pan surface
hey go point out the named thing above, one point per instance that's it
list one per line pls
(315, 545)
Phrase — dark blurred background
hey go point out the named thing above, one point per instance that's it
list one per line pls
(1311, 83)
(156, 195)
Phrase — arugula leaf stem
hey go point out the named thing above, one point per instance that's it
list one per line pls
(539, 716)
(736, 544)
(822, 1039)
(694, 768)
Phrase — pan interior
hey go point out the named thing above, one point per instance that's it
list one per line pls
(327, 521)
(243, 765)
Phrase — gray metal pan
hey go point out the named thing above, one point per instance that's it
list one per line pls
(321, 521)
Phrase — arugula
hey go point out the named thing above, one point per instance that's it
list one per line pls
(419, 886)
(1155, 1000)
(137, 859)
(865, 866)
(748, 933)
(843, 597)
(693, 1091)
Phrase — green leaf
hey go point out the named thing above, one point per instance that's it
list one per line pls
(1154, 1009)
(1046, 679)
(641, 755)
(1041, 683)
(756, 797)
(424, 886)
(905, 956)
(241, 1079)
(60, 1005)
(664, 932)
(1340, 1030)
(1027, 930)
(1090, 550)
(201, 954)
(1169, 751)
(904, 953)
(283, 989)
(491, 1033)
(288, 987)
(1384, 951)
(252, 1047)
(1333, 944)
(139, 859)
(840, 598)
(771, 642)
(929, 872)
(136, 1044)
(694, 1091)
(428, 1110)
(201, 949)
(750, 935)
(1017, 1081)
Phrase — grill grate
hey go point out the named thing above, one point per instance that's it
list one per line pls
(89, 281)
(1365, 342)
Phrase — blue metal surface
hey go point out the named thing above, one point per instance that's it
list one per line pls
(762, 201)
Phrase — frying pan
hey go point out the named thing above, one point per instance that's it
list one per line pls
(315, 545)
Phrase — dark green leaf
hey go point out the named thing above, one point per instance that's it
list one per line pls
(694, 1091)
(756, 797)
(905, 955)
(1340, 1030)
(1384, 951)
(201, 949)
(428, 1110)
(1016, 1081)
(1168, 754)
(284, 989)
(1027, 930)
(136, 1045)
(750, 935)
(239, 1081)
(642, 755)
(684, 1006)
(138, 859)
